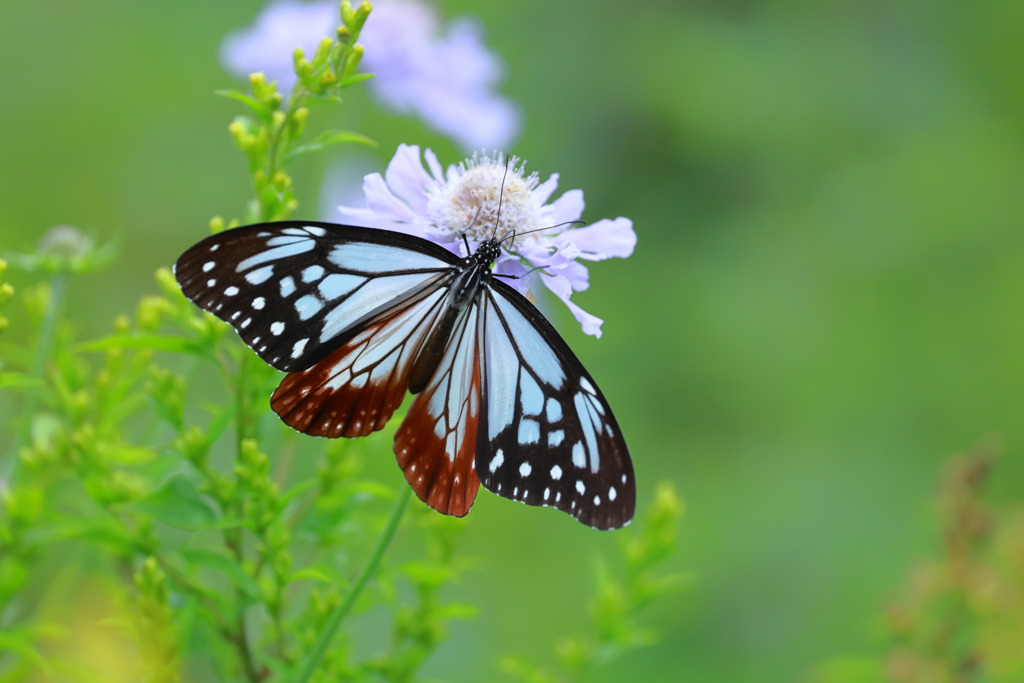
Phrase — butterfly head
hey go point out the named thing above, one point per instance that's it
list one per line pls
(487, 252)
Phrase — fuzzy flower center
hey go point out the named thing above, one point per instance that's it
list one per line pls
(469, 202)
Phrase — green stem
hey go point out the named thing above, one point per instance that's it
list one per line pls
(329, 630)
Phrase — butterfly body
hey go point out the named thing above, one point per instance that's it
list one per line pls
(358, 317)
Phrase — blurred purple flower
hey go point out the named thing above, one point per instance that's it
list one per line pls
(442, 205)
(446, 79)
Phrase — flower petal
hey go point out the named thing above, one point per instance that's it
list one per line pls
(604, 239)
(543, 191)
(407, 179)
(568, 207)
(561, 288)
(382, 201)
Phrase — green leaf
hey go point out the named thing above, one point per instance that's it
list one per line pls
(263, 111)
(319, 573)
(226, 566)
(355, 78)
(157, 342)
(179, 504)
(328, 138)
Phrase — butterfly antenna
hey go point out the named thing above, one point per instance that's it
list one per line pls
(501, 195)
(514, 234)
(526, 274)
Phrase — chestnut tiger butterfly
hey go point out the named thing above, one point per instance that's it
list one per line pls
(359, 316)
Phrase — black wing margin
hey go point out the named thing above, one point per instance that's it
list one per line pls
(296, 290)
(546, 435)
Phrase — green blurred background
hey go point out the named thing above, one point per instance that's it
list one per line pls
(824, 304)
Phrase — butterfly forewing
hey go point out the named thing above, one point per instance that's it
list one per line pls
(295, 291)
(355, 390)
(546, 434)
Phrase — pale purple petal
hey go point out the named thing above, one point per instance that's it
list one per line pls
(576, 274)
(561, 288)
(383, 201)
(568, 207)
(604, 239)
(434, 165)
(544, 190)
(520, 282)
(407, 179)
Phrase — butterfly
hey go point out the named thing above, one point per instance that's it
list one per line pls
(359, 316)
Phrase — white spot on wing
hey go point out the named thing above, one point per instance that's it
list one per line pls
(287, 286)
(208, 266)
(579, 456)
(260, 275)
(525, 469)
(496, 461)
(277, 328)
(556, 472)
(580, 487)
(299, 347)
(231, 291)
(258, 303)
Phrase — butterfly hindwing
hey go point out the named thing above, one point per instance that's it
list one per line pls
(546, 434)
(294, 291)
(436, 442)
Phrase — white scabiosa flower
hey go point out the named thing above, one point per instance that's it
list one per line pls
(446, 77)
(443, 205)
